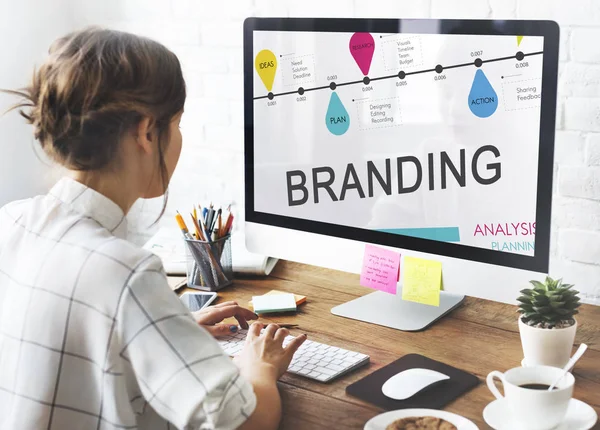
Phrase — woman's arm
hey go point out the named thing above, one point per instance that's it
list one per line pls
(262, 362)
(267, 414)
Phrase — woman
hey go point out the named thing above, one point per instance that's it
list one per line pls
(91, 336)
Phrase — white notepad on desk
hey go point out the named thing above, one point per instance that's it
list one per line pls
(169, 246)
(270, 303)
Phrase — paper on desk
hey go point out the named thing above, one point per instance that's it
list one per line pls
(380, 269)
(422, 281)
(168, 244)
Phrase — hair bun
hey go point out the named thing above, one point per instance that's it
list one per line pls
(95, 85)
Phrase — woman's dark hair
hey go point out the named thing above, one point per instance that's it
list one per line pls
(96, 85)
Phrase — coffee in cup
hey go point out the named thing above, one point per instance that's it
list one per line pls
(527, 398)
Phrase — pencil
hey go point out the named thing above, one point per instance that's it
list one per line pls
(219, 224)
(182, 225)
(229, 224)
(223, 231)
(197, 227)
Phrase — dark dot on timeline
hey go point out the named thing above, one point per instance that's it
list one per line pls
(401, 75)
(439, 68)
(332, 85)
(366, 80)
(520, 56)
(478, 62)
(270, 96)
(300, 90)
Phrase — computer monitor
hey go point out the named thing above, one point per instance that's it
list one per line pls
(434, 138)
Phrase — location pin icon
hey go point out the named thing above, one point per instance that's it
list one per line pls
(483, 100)
(265, 64)
(337, 118)
(362, 47)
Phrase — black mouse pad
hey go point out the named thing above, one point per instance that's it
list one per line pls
(434, 397)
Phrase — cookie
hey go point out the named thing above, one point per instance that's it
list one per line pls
(421, 423)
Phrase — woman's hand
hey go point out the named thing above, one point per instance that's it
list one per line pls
(263, 355)
(210, 318)
(262, 361)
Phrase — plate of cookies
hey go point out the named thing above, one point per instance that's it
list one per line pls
(419, 419)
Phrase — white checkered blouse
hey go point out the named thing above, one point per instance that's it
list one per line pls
(91, 336)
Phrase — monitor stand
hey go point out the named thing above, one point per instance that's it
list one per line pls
(391, 311)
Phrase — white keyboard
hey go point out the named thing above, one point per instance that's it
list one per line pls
(313, 360)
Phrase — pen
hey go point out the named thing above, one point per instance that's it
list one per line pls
(217, 222)
(209, 218)
(282, 325)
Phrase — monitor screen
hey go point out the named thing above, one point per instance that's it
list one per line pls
(432, 136)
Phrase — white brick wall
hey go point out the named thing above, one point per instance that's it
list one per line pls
(584, 45)
(593, 150)
(582, 113)
(207, 36)
(580, 246)
(582, 182)
(460, 9)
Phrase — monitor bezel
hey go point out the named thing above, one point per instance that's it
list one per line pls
(549, 30)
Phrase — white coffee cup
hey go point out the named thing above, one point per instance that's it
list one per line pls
(534, 409)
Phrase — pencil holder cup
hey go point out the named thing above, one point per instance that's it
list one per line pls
(209, 266)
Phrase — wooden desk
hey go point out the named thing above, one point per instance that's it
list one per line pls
(479, 337)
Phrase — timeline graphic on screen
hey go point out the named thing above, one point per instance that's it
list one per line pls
(427, 135)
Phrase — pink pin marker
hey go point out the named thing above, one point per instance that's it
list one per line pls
(362, 47)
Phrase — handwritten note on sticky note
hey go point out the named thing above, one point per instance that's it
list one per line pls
(380, 269)
(422, 281)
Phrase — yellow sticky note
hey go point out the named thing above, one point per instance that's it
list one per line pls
(422, 281)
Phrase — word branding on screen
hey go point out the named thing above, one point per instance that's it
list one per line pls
(324, 177)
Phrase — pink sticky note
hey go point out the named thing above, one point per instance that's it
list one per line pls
(380, 269)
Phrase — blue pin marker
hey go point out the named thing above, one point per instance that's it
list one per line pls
(483, 100)
(337, 118)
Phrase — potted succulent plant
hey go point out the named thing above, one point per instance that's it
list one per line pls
(547, 324)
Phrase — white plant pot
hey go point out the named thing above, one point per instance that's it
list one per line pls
(548, 347)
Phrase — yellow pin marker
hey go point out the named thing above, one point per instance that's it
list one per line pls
(266, 65)
(519, 38)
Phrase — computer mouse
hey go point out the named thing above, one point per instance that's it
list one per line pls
(409, 382)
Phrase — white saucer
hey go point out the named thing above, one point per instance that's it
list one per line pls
(580, 416)
(381, 421)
